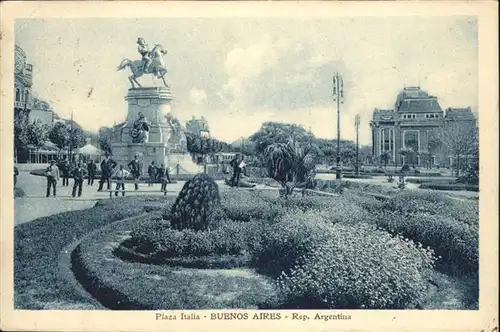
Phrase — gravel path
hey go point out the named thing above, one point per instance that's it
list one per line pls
(35, 205)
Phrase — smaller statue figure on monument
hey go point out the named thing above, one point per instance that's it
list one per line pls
(140, 130)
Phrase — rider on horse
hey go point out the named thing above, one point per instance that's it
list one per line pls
(144, 50)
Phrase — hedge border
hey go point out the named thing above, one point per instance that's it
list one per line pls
(105, 294)
(452, 187)
(205, 262)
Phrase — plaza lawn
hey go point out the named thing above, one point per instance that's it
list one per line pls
(38, 283)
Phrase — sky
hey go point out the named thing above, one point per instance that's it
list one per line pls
(239, 73)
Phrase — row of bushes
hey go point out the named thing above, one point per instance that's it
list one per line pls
(449, 186)
(449, 226)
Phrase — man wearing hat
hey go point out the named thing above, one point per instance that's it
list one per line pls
(135, 167)
(107, 168)
(78, 175)
(52, 174)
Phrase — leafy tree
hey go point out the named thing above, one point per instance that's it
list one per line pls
(290, 165)
(67, 136)
(277, 132)
(385, 157)
(37, 134)
(409, 156)
(459, 140)
(105, 137)
(204, 145)
(426, 158)
(77, 137)
(59, 135)
(26, 133)
(365, 153)
(328, 148)
(20, 138)
(348, 155)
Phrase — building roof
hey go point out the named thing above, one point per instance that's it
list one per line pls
(416, 100)
(88, 149)
(459, 114)
(421, 105)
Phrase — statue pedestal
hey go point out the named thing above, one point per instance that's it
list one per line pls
(166, 144)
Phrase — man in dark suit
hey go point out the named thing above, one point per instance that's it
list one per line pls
(135, 167)
(78, 175)
(91, 170)
(107, 166)
(235, 163)
(164, 177)
(65, 168)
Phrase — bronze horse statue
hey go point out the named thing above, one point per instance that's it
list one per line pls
(157, 66)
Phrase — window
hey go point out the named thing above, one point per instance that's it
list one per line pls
(411, 140)
(18, 95)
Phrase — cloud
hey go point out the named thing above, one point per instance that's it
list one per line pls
(197, 96)
(244, 65)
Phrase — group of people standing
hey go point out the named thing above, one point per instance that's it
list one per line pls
(109, 170)
(64, 170)
(159, 174)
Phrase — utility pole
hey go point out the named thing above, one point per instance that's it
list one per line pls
(356, 122)
(338, 96)
(70, 153)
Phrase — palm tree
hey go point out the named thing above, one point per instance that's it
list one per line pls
(385, 157)
(290, 165)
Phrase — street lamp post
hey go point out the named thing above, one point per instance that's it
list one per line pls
(338, 96)
(356, 167)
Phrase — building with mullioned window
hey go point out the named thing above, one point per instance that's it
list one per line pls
(24, 101)
(412, 125)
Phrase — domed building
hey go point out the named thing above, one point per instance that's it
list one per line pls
(411, 125)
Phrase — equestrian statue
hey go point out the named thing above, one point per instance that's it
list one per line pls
(151, 63)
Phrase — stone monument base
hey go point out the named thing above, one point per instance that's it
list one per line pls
(178, 163)
(181, 163)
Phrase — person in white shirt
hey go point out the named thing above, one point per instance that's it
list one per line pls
(52, 174)
(120, 176)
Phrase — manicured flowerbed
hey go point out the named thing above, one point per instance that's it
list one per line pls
(449, 226)
(317, 249)
(124, 285)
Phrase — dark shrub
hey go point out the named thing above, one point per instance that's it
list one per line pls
(197, 205)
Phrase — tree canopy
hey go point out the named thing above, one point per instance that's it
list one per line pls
(277, 132)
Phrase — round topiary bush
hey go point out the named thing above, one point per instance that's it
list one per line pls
(197, 206)
(356, 267)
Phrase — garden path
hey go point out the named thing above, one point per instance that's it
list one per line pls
(35, 205)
